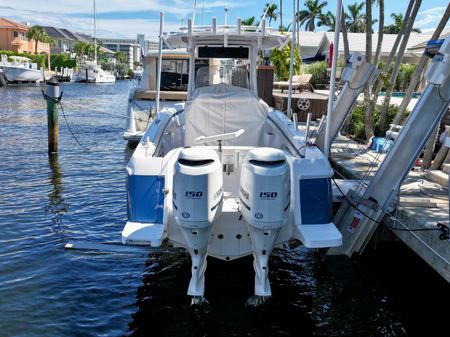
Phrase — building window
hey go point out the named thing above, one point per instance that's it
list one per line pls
(15, 33)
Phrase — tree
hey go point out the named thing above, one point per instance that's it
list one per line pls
(121, 57)
(380, 32)
(382, 79)
(368, 22)
(356, 18)
(312, 12)
(344, 34)
(38, 34)
(281, 59)
(249, 21)
(419, 68)
(368, 29)
(271, 12)
(395, 27)
(398, 60)
(327, 20)
(79, 49)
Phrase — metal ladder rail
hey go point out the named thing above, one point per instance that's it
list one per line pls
(382, 190)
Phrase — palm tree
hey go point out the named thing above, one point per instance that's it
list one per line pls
(120, 57)
(419, 68)
(309, 15)
(356, 18)
(395, 27)
(38, 34)
(249, 21)
(368, 28)
(271, 12)
(380, 32)
(79, 48)
(327, 20)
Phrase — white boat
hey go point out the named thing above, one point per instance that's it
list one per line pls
(223, 174)
(141, 100)
(21, 70)
(91, 72)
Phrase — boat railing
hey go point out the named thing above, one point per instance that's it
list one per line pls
(215, 29)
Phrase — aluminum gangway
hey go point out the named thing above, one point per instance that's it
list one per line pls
(359, 215)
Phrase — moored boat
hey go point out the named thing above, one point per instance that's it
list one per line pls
(223, 174)
(21, 70)
(142, 98)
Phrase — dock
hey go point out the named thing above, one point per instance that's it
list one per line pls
(423, 203)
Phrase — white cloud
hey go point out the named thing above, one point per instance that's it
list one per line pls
(106, 6)
(429, 18)
(433, 10)
(60, 13)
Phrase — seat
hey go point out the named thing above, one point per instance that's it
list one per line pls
(299, 82)
(239, 78)
(224, 108)
(202, 77)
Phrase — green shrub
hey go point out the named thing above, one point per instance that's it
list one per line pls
(318, 71)
(355, 123)
(62, 61)
(57, 60)
(404, 76)
(281, 59)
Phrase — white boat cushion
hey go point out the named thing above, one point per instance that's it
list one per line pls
(224, 108)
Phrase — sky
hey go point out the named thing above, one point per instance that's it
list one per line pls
(127, 18)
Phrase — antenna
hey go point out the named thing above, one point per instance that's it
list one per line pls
(226, 15)
(193, 13)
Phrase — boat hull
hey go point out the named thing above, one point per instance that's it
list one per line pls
(18, 74)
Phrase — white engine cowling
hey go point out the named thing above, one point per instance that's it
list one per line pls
(265, 189)
(197, 187)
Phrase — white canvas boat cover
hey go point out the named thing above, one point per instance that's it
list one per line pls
(224, 108)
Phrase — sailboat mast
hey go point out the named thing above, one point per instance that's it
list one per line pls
(95, 36)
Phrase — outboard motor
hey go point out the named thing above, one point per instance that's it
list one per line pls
(265, 200)
(197, 202)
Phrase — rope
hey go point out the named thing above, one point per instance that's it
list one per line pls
(70, 129)
(58, 101)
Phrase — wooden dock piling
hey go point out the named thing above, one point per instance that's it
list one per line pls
(3, 81)
(52, 98)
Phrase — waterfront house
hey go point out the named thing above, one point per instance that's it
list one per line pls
(13, 37)
(64, 39)
(315, 46)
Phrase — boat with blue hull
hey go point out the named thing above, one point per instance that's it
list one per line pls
(223, 174)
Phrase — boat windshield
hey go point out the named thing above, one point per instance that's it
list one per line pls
(228, 71)
(174, 74)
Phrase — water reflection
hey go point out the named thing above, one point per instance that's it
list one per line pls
(56, 207)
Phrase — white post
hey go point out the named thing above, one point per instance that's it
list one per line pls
(158, 77)
(291, 66)
(226, 16)
(297, 27)
(95, 37)
(191, 84)
(214, 25)
(333, 77)
(308, 126)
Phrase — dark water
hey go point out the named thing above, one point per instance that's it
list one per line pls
(79, 194)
